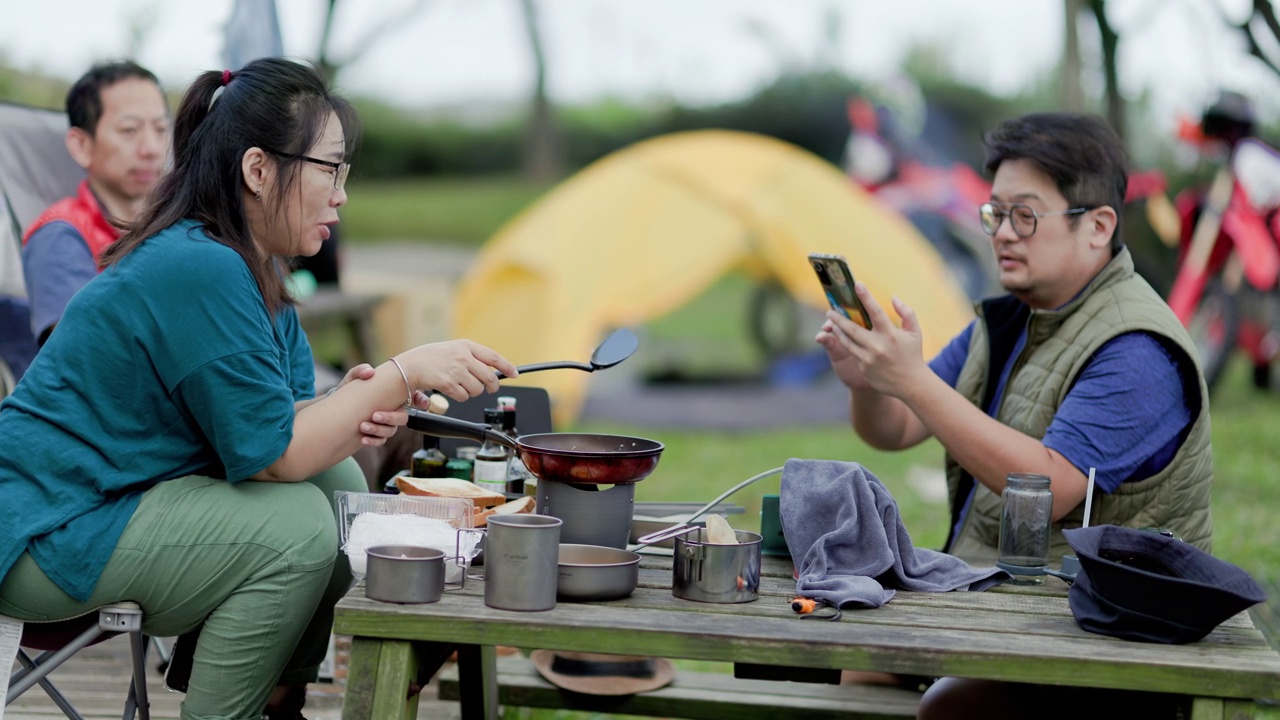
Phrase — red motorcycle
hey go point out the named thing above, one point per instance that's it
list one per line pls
(1229, 252)
(940, 199)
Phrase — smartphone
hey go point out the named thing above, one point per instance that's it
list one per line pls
(837, 283)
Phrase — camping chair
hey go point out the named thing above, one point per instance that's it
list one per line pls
(62, 639)
(35, 170)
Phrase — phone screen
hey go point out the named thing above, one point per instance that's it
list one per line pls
(837, 282)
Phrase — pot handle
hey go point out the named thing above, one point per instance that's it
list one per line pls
(670, 532)
(446, 427)
(464, 559)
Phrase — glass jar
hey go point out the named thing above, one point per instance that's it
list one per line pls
(1024, 527)
(490, 468)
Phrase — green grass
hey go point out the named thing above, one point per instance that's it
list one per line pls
(1246, 491)
(460, 210)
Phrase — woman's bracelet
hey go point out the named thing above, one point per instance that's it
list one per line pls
(407, 385)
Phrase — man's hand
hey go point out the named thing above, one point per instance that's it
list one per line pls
(834, 341)
(886, 358)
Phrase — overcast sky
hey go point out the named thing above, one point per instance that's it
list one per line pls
(699, 51)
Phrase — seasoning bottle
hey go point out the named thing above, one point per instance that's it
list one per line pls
(507, 404)
(1024, 527)
(515, 466)
(430, 460)
(490, 470)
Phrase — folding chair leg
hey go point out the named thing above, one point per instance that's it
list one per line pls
(53, 660)
(52, 691)
(138, 701)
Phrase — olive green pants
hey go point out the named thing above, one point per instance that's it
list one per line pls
(253, 561)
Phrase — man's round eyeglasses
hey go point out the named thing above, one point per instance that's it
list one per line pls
(340, 170)
(1022, 218)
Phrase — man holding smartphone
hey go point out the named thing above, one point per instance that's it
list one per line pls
(1081, 365)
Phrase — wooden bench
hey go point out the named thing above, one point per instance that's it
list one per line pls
(701, 696)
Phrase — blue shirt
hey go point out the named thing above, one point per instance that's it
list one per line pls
(167, 364)
(56, 263)
(1126, 415)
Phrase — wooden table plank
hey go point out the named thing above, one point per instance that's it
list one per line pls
(1026, 636)
(1247, 673)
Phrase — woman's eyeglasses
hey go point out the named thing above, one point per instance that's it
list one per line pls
(340, 169)
(1021, 217)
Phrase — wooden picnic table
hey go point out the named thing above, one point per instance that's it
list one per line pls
(1001, 635)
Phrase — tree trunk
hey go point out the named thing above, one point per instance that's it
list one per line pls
(1072, 97)
(1110, 42)
(542, 146)
(324, 60)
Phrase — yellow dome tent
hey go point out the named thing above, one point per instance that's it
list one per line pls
(640, 232)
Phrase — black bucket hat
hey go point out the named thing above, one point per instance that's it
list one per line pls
(1142, 585)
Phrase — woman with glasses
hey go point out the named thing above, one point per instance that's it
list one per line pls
(165, 448)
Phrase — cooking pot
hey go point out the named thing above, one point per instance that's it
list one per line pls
(580, 458)
(712, 572)
(592, 572)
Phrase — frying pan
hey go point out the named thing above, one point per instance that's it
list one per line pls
(580, 458)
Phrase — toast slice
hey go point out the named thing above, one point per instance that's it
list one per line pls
(480, 517)
(450, 488)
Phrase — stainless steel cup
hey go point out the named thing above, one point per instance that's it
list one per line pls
(521, 565)
(404, 574)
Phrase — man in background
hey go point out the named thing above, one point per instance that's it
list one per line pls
(119, 133)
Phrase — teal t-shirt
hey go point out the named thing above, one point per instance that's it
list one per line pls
(164, 365)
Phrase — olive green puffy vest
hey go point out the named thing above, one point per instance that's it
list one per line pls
(1059, 344)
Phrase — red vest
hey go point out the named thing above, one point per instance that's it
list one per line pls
(84, 213)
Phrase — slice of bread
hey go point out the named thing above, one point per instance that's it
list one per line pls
(480, 517)
(450, 488)
(523, 504)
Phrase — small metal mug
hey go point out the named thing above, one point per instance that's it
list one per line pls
(406, 574)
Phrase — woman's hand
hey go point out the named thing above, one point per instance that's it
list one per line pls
(458, 369)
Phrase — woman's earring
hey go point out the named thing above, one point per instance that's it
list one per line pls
(257, 194)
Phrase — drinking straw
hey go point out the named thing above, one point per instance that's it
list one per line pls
(1088, 499)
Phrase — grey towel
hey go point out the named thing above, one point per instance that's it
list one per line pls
(849, 544)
